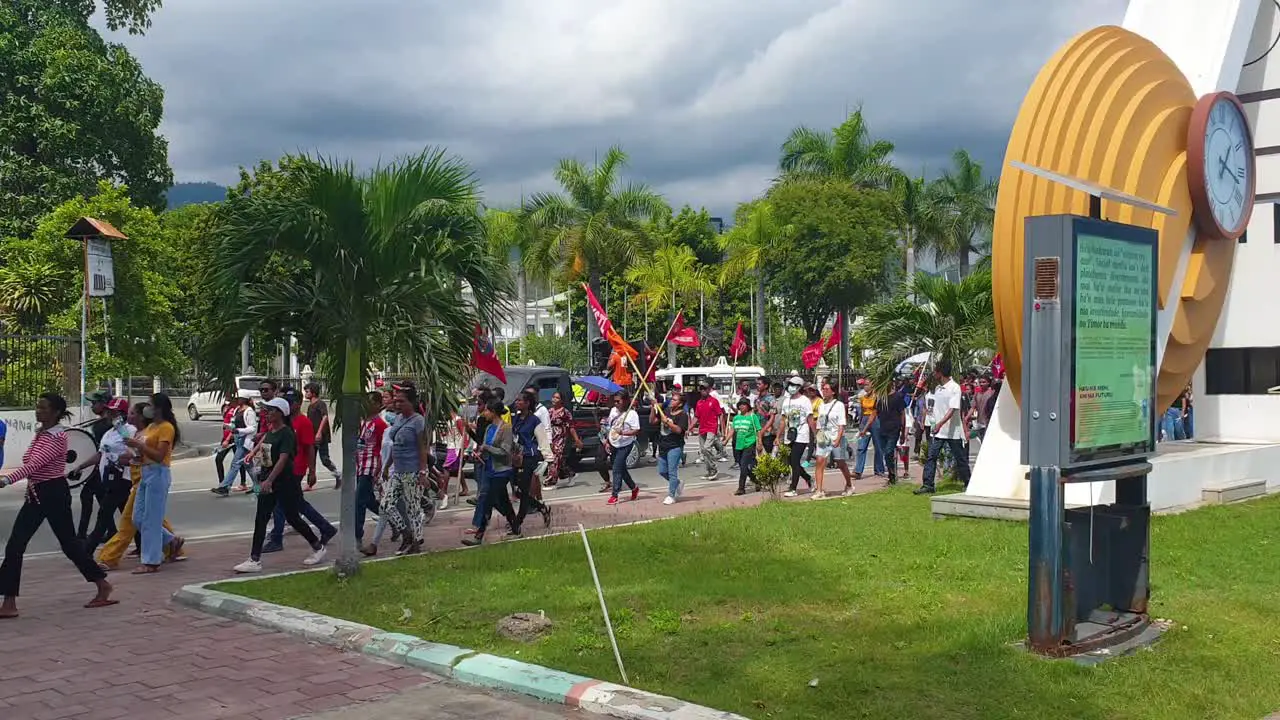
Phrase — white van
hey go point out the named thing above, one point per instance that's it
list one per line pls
(722, 377)
(210, 399)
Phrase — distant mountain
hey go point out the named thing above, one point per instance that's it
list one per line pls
(190, 193)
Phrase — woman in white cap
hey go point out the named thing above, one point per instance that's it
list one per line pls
(797, 428)
(278, 484)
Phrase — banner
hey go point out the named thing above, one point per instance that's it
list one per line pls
(738, 347)
(682, 334)
(834, 339)
(101, 279)
(812, 355)
(484, 356)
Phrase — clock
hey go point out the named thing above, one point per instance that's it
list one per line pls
(1220, 166)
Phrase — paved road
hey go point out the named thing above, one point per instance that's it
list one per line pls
(199, 515)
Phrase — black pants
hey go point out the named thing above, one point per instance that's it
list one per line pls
(768, 443)
(115, 494)
(797, 465)
(91, 490)
(287, 491)
(52, 502)
(524, 486)
(499, 499)
(366, 502)
(322, 455)
(746, 466)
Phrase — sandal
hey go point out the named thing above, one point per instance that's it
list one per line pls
(108, 567)
(101, 603)
(146, 570)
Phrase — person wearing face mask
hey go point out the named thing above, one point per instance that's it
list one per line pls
(112, 460)
(796, 414)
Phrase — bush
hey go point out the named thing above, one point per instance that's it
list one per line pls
(771, 472)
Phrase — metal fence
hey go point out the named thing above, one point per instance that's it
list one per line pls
(35, 364)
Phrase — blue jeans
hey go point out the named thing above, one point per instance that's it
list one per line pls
(366, 500)
(888, 442)
(1171, 425)
(958, 453)
(148, 512)
(481, 514)
(237, 461)
(620, 472)
(326, 528)
(870, 440)
(1188, 424)
(669, 469)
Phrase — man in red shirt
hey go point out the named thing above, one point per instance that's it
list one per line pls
(369, 466)
(303, 465)
(709, 418)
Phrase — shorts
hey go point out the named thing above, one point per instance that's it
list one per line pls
(834, 452)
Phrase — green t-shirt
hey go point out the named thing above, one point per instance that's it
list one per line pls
(745, 428)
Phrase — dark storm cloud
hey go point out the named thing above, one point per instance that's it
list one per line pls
(700, 94)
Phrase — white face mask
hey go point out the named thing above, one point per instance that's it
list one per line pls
(793, 389)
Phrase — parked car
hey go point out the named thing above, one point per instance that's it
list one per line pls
(210, 398)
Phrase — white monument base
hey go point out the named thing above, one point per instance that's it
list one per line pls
(1185, 474)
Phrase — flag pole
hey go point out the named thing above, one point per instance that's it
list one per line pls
(643, 382)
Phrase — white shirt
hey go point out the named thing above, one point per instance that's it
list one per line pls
(946, 397)
(543, 415)
(831, 417)
(618, 422)
(111, 448)
(797, 409)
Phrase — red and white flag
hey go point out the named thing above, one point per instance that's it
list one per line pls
(812, 355)
(738, 347)
(484, 356)
(682, 334)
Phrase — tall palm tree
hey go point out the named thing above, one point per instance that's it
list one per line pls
(671, 273)
(917, 219)
(952, 320)
(965, 202)
(596, 225)
(388, 252)
(512, 237)
(848, 152)
(749, 247)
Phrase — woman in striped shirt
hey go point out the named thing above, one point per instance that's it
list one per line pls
(48, 497)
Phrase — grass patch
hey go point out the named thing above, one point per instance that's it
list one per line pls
(896, 615)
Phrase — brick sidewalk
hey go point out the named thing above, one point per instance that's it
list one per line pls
(145, 658)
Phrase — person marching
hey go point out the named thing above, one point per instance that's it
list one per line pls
(47, 497)
(672, 425)
(744, 432)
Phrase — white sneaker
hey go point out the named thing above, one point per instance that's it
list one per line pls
(444, 502)
(818, 495)
(316, 557)
(790, 493)
(668, 500)
(248, 566)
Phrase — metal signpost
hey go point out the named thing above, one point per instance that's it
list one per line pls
(1089, 415)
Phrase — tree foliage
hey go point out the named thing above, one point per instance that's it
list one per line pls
(848, 152)
(74, 109)
(843, 241)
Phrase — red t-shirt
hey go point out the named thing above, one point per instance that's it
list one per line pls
(306, 433)
(708, 412)
(228, 415)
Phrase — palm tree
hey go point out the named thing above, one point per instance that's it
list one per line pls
(848, 152)
(952, 320)
(30, 288)
(387, 252)
(749, 248)
(917, 219)
(667, 275)
(965, 203)
(512, 234)
(596, 225)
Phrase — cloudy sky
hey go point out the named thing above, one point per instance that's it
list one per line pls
(699, 92)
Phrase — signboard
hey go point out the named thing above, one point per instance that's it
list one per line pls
(100, 271)
(1114, 333)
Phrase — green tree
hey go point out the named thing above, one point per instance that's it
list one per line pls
(756, 242)
(916, 219)
(512, 238)
(693, 228)
(837, 258)
(133, 16)
(596, 225)
(964, 206)
(666, 277)
(954, 320)
(389, 251)
(74, 110)
(847, 153)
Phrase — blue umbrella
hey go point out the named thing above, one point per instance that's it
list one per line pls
(599, 384)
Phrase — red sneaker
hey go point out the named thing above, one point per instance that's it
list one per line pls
(635, 493)
(613, 499)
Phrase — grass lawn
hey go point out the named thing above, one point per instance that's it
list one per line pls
(897, 615)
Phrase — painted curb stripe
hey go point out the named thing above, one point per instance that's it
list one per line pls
(459, 664)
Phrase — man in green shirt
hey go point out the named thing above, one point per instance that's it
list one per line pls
(745, 434)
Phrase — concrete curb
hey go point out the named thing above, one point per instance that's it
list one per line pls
(458, 664)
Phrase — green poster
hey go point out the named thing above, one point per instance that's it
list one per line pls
(1114, 343)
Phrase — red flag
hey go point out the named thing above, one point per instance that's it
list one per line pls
(682, 334)
(812, 355)
(997, 367)
(834, 340)
(738, 347)
(484, 356)
(606, 327)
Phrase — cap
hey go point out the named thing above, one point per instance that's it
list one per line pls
(277, 404)
(118, 404)
(292, 396)
(98, 396)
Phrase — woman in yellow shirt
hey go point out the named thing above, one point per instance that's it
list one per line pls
(155, 445)
(109, 556)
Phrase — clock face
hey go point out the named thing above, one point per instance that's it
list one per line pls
(1228, 172)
